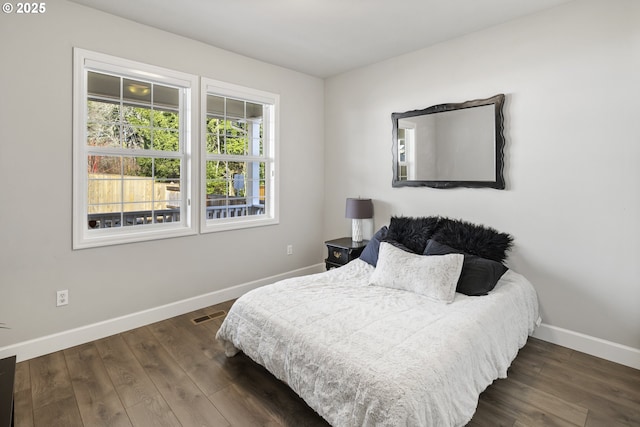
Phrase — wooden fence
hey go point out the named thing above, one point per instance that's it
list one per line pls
(106, 193)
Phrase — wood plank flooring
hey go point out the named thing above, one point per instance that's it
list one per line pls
(173, 373)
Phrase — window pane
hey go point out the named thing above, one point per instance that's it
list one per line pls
(166, 140)
(137, 194)
(254, 111)
(167, 168)
(226, 137)
(173, 199)
(136, 91)
(136, 127)
(103, 124)
(107, 216)
(165, 97)
(213, 143)
(217, 190)
(215, 128)
(167, 215)
(102, 191)
(136, 115)
(103, 85)
(215, 105)
(236, 174)
(167, 194)
(165, 119)
(137, 166)
(104, 165)
(236, 138)
(235, 109)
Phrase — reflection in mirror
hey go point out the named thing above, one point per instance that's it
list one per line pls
(450, 145)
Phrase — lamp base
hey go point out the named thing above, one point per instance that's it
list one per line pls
(356, 230)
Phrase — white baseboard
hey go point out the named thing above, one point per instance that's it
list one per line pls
(604, 349)
(59, 341)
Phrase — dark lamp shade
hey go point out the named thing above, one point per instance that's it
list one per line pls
(359, 208)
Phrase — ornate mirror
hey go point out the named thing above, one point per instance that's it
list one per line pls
(450, 145)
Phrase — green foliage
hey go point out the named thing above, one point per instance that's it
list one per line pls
(216, 178)
(154, 130)
(138, 127)
(141, 128)
(225, 137)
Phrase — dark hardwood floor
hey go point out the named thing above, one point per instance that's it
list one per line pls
(173, 373)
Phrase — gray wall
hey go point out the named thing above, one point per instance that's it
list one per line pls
(572, 80)
(35, 171)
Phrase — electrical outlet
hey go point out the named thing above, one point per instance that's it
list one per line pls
(289, 249)
(62, 298)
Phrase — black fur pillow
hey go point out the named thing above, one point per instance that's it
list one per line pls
(474, 239)
(412, 233)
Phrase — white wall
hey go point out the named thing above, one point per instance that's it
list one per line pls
(35, 175)
(572, 80)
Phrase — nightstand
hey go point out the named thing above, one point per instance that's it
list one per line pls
(7, 377)
(343, 250)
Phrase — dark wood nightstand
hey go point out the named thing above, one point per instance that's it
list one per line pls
(7, 376)
(343, 250)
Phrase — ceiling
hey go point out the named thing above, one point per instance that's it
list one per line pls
(321, 37)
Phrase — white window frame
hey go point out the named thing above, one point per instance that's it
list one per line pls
(410, 161)
(85, 61)
(270, 150)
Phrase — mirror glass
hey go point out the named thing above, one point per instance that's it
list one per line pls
(450, 145)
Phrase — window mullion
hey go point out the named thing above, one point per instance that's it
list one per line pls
(236, 158)
(108, 151)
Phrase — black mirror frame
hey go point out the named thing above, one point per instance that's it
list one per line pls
(498, 102)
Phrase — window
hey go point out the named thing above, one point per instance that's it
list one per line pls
(238, 157)
(406, 151)
(133, 157)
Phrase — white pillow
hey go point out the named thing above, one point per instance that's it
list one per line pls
(433, 276)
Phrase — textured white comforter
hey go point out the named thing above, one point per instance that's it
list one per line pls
(363, 355)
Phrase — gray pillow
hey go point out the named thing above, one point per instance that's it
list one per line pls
(479, 275)
(370, 252)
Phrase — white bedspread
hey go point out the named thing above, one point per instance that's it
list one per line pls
(364, 355)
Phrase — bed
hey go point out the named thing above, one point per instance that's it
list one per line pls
(364, 347)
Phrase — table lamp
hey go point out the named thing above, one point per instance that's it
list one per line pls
(357, 210)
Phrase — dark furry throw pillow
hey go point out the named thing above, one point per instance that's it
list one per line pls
(413, 233)
(474, 239)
